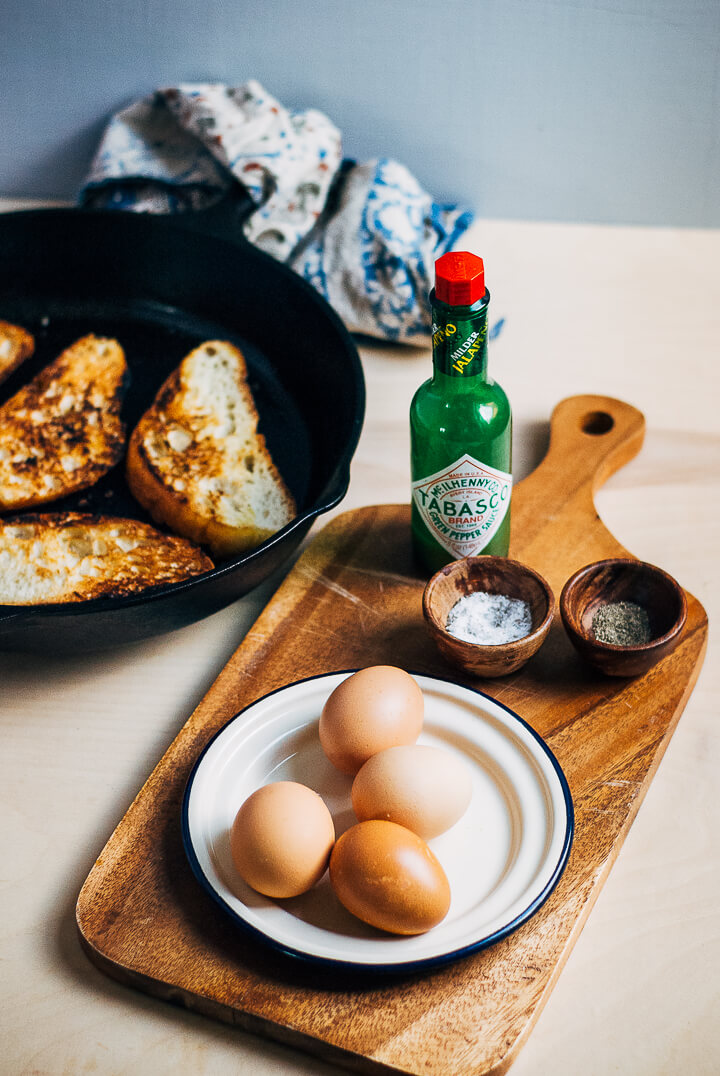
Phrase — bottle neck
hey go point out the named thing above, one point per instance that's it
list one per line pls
(459, 340)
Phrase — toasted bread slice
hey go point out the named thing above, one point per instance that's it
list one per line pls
(197, 462)
(72, 557)
(62, 431)
(16, 345)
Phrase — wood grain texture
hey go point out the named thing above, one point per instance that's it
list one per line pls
(353, 599)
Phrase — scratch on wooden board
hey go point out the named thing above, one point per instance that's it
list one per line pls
(323, 633)
(341, 591)
(384, 578)
(514, 691)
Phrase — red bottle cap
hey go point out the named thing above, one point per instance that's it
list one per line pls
(459, 278)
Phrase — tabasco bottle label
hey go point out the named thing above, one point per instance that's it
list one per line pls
(460, 345)
(463, 505)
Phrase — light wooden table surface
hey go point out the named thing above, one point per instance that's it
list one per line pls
(628, 312)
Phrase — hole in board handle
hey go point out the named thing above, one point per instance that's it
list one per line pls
(596, 423)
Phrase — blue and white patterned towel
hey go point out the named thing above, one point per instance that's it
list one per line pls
(366, 236)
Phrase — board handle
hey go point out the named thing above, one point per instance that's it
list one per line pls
(591, 437)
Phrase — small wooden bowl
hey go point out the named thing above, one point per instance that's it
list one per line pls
(616, 580)
(493, 575)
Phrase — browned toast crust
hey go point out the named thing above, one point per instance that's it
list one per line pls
(193, 458)
(72, 557)
(62, 431)
(16, 345)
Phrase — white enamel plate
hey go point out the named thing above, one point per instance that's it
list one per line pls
(502, 858)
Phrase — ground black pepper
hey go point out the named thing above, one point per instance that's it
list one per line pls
(621, 624)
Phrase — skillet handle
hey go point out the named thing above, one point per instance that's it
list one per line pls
(224, 219)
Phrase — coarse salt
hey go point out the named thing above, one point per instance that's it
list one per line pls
(489, 619)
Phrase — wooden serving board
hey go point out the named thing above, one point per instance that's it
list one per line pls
(354, 599)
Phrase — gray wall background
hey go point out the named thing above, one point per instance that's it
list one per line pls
(593, 110)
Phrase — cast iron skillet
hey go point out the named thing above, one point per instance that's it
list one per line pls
(160, 286)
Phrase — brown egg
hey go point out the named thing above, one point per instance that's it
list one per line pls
(281, 839)
(389, 878)
(423, 788)
(375, 708)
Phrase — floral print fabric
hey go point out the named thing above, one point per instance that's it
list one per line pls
(366, 236)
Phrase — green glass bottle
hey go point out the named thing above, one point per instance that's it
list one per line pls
(460, 428)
